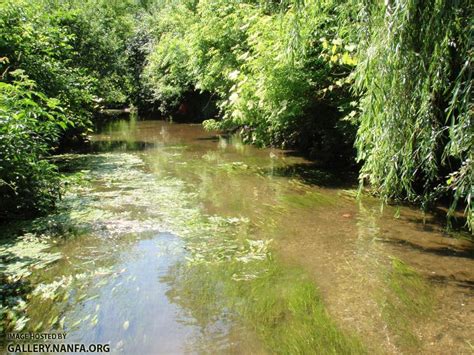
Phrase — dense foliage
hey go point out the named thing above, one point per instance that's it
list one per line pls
(415, 137)
(31, 124)
(58, 61)
(384, 84)
(280, 74)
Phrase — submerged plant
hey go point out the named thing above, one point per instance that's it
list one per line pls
(407, 301)
(281, 305)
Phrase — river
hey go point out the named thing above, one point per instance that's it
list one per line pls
(172, 240)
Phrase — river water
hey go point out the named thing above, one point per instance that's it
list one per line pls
(174, 240)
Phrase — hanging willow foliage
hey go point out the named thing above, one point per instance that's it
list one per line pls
(415, 137)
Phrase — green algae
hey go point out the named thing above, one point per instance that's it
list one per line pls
(226, 205)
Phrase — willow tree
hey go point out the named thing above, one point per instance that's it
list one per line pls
(415, 137)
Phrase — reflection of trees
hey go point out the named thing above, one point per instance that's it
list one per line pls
(201, 291)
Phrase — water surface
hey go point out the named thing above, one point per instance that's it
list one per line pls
(175, 240)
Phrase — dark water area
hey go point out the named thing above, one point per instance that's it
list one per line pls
(174, 240)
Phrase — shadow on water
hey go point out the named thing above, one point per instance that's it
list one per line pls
(440, 251)
(118, 145)
(110, 146)
(215, 138)
(444, 280)
(456, 226)
(312, 174)
(72, 163)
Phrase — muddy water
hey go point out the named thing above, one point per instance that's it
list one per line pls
(174, 240)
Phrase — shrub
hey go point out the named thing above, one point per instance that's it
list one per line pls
(30, 124)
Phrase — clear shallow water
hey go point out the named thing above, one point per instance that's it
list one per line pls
(174, 240)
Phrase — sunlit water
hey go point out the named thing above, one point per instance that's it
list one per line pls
(174, 240)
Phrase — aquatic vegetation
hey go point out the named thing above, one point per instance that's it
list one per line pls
(281, 305)
(95, 206)
(116, 199)
(19, 260)
(21, 257)
(219, 272)
(307, 199)
(408, 300)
